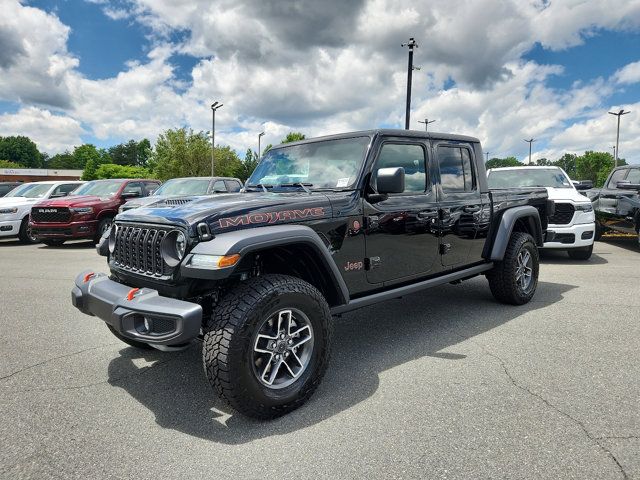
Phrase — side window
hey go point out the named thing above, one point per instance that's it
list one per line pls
(616, 177)
(411, 157)
(66, 189)
(634, 175)
(133, 188)
(151, 187)
(233, 185)
(456, 172)
(219, 187)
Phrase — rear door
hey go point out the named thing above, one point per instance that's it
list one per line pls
(460, 204)
(610, 194)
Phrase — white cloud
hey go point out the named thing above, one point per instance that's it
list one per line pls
(51, 133)
(628, 74)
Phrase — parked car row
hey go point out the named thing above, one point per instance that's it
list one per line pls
(53, 212)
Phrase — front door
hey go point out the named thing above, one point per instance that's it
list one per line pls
(401, 231)
(462, 217)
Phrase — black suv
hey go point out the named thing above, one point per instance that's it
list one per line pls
(322, 227)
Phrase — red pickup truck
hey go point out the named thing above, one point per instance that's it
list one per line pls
(88, 212)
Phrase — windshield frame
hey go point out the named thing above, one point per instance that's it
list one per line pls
(120, 183)
(495, 171)
(27, 187)
(354, 185)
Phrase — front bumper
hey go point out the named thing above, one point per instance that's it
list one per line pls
(147, 317)
(574, 236)
(71, 230)
(10, 228)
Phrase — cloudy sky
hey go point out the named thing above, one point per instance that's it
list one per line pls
(99, 71)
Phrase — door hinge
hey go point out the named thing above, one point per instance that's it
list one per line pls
(445, 248)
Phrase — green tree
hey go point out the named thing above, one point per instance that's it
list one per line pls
(247, 166)
(503, 162)
(131, 153)
(61, 160)
(9, 164)
(20, 150)
(293, 137)
(544, 162)
(568, 163)
(111, 170)
(594, 166)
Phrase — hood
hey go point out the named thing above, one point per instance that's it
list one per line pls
(75, 201)
(6, 202)
(235, 211)
(559, 194)
(159, 200)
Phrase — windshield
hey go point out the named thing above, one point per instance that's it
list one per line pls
(528, 177)
(324, 164)
(99, 188)
(30, 190)
(184, 186)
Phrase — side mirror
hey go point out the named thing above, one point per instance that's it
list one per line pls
(59, 195)
(626, 185)
(583, 185)
(390, 180)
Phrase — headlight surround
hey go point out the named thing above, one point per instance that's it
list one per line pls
(8, 211)
(213, 262)
(81, 210)
(584, 207)
(174, 247)
(112, 238)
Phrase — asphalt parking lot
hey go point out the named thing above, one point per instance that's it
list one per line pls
(441, 384)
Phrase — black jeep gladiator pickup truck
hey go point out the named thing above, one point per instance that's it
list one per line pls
(617, 204)
(322, 227)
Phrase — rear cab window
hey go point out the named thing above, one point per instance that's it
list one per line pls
(457, 174)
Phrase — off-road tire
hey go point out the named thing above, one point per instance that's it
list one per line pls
(502, 278)
(228, 344)
(128, 341)
(53, 242)
(583, 253)
(104, 223)
(24, 233)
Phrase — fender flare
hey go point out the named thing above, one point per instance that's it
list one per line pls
(505, 228)
(247, 241)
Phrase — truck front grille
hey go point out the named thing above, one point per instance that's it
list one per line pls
(50, 214)
(137, 249)
(563, 214)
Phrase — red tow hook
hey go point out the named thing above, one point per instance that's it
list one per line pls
(132, 293)
(88, 277)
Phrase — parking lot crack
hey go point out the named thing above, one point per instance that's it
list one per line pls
(49, 360)
(528, 391)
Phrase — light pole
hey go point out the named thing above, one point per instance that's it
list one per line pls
(214, 106)
(426, 123)
(259, 137)
(530, 141)
(617, 152)
(411, 44)
(487, 154)
(614, 151)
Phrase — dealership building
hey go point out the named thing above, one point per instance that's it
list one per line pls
(37, 174)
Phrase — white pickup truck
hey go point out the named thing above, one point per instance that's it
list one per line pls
(15, 206)
(572, 226)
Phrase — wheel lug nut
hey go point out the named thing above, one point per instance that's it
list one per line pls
(282, 335)
(290, 342)
(286, 354)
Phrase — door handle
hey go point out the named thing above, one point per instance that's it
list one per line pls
(471, 209)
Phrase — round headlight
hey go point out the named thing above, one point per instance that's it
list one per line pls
(181, 245)
(173, 247)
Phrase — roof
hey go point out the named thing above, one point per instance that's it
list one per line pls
(53, 182)
(536, 167)
(387, 132)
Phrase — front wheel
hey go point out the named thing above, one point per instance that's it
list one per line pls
(103, 226)
(514, 279)
(583, 253)
(25, 235)
(266, 347)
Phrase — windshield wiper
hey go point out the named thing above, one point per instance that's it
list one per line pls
(298, 184)
(260, 185)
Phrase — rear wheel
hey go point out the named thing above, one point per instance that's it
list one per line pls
(25, 235)
(583, 253)
(267, 345)
(514, 279)
(53, 242)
